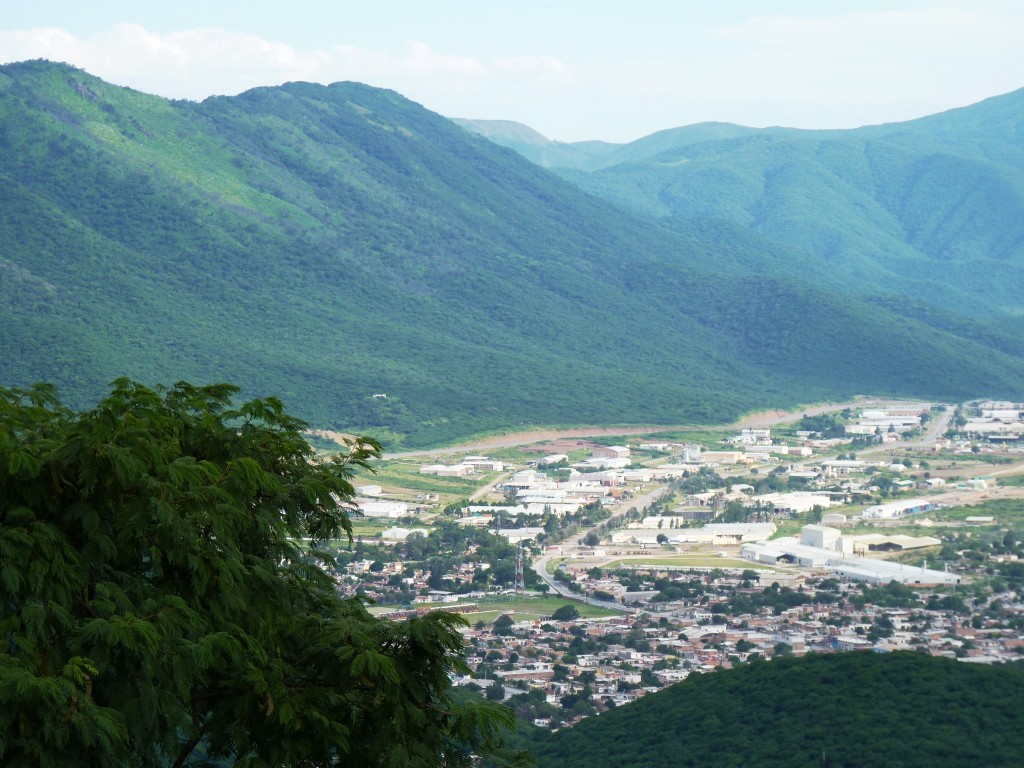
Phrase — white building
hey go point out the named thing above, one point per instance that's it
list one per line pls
(716, 534)
(793, 503)
(856, 568)
(605, 462)
(441, 470)
(401, 534)
(752, 437)
(820, 536)
(895, 509)
(833, 467)
(610, 452)
(722, 457)
(554, 458)
(528, 478)
(391, 509)
(517, 535)
(484, 464)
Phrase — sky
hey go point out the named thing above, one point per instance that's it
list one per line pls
(571, 69)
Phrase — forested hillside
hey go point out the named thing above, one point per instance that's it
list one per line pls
(932, 208)
(848, 710)
(331, 243)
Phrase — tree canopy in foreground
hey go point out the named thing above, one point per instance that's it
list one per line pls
(162, 600)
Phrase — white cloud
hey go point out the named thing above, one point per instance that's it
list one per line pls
(828, 68)
(198, 62)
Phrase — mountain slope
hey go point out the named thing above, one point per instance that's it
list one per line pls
(849, 709)
(329, 243)
(931, 208)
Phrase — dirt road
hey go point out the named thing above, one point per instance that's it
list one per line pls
(760, 419)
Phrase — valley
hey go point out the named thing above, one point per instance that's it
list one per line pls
(328, 244)
(665, 586)
(649, 415)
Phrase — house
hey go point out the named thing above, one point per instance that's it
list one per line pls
(391, 509)
(401, 534)
(895, 509)
(457, 470)
(484, 464)
(610, 452)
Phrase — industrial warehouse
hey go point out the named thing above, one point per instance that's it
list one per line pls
(822, 547)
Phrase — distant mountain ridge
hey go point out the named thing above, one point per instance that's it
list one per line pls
(932, 208)
(328, 243)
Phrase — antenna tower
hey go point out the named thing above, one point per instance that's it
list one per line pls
(520, 578)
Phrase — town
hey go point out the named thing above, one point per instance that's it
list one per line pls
(592, 574)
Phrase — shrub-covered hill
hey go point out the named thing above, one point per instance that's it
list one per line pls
(847, 710)
(932, 208)
(331, 243)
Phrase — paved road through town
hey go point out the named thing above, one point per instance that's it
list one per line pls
(540, 565)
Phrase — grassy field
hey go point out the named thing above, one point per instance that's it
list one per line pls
(553, 563)
(950, 521)
(523, 608)
(1005, 511)
(711, 438)
(403, 479)
(533, 608)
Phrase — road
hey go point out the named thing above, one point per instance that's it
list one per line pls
(540, 565)
(760, 419)
(481, 492)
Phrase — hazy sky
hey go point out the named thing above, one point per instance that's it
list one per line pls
(572, 69)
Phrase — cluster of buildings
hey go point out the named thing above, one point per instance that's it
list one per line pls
(889, 422)
(471, 465)
(998, 422)
(658, 530)
(820, 546)
(619, 659)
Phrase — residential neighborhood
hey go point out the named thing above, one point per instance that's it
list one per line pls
(592, 574)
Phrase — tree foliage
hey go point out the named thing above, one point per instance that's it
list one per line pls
(244, 235)
(567, 612)
(161, 602)
(844, 709)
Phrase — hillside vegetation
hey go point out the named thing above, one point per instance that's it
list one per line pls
(930, 208)
(326, 244)
(848, 710)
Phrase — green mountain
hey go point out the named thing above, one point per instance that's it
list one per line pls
(594, 155)
(931, 208)
(537, 148)
(331, 243)
(846, 710)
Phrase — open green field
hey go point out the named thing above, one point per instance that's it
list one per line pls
(789, 527)
(527, 608)
(552, 565)
(710, 438)
(400, 478)
(950, 521)
(530, 608)
(1005, 511)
